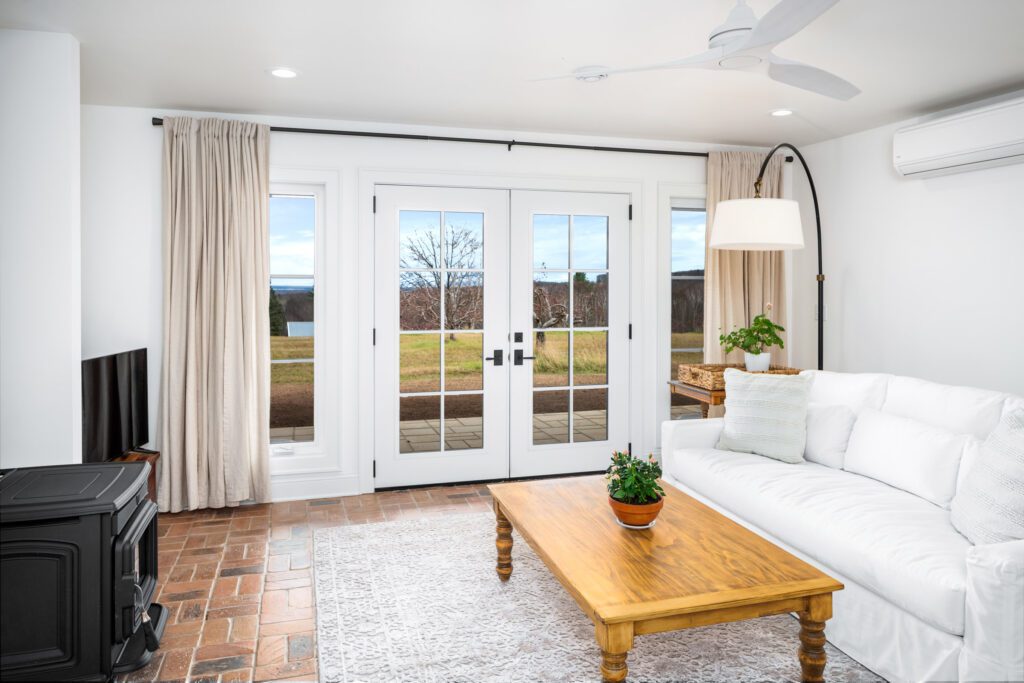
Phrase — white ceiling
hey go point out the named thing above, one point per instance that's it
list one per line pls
(469, 62)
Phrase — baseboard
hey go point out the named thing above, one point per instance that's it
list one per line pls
(285, 487)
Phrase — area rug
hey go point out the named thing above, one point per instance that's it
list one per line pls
(419, 601)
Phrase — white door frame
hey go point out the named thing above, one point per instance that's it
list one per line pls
(370, 177)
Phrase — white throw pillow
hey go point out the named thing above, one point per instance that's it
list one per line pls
(765, 414)
(828, 432)
(907, 454)
(989, 506)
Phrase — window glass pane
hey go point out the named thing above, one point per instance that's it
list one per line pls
(463, 421)
(419, 426)
(687, 313)
(419, 300)
(464, 300)
(550, 359)
(688, 230)
(590, 299)
(463, 362)
(419, 234)
(590, 242)
(550, 417)
(687, 307)
(589, 358)
(419, 362)
(463, 240)
(550, 241)
(292, 224)
(590, 415)
(550, 300)
(291, 402)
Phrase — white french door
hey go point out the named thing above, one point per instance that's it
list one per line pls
(501, 337)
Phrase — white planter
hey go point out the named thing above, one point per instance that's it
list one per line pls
(757, 362)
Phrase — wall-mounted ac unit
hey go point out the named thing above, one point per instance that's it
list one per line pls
(985, 134)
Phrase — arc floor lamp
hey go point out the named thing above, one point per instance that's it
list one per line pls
(762, 224)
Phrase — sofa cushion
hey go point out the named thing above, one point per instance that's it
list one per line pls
(828, 431)
(907, 454)
(963, 410)
(989, 507)
(856, 391)
(765, 414)
(897, 545)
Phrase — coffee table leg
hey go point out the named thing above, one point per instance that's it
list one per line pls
(504, 543)
(615, 640)
(812, 638)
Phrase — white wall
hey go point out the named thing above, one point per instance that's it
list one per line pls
(924, 277)
(121, 252)
(40, 306)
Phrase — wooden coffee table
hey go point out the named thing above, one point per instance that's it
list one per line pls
(695, 567)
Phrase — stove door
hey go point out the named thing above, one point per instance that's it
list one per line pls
(134, 566)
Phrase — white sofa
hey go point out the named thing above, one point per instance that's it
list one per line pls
(921, 602)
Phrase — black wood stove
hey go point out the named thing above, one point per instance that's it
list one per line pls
(77, 572)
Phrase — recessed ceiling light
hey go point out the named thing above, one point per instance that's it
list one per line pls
(283, 72)
(782, 112)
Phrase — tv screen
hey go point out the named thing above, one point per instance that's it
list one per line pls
(115, 405)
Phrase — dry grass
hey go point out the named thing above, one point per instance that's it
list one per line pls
(291, 347)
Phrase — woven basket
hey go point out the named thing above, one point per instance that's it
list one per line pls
(712, 376)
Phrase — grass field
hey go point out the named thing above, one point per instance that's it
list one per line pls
(687, 340)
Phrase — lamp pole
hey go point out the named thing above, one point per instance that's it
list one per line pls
(817, 222)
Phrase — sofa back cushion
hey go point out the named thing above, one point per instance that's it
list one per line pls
(828, 431)
(905, 453)
(765, 414)
(962, 410)
(856, 391)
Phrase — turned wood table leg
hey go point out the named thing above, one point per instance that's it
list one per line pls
(812, 638)
(615, 641)
(504, 543)
(704, 408)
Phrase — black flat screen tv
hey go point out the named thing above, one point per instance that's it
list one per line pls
(115, 405)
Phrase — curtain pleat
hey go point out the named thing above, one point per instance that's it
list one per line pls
(215, 384)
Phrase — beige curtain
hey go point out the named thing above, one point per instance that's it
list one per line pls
(739, 285)
(216, 355)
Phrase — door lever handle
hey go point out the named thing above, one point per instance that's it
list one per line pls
(518, 357)
(498, 357)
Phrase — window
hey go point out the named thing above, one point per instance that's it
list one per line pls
(688, 253)
(292, 284)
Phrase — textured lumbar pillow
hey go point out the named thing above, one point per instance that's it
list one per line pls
(766, 414)
(828, 431)
(989, 506)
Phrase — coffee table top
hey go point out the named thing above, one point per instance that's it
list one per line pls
(693, 560)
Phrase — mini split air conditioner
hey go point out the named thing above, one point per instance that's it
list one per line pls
(988, 133)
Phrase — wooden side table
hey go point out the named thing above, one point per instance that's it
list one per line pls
(144, 455)
(706, 397)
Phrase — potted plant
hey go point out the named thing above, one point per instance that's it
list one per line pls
(634, 493)
(755, 342)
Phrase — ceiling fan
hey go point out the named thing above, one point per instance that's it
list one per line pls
(744, 43)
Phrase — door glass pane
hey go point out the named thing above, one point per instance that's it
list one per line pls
(550, 300)
(590, 415)
(463, 421)
(589, 358)
(420, 300)
(463, 362)
(419, 363)
(463, 240)
(419, 426)
(464, 301)
(419, 234)
(590, 299)
(550, 241)
(550, 417)
(590, 242)
(550, 359)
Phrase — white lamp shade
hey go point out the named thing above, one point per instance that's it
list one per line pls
(757, 225)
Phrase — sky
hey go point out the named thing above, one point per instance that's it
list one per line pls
(688, 240)
(292, 226)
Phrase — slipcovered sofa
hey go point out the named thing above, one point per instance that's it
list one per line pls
(921, 602)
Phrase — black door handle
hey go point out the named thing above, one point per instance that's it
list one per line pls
(498, 357)
(518, 358)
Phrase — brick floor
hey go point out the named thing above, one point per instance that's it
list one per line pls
(238, 582)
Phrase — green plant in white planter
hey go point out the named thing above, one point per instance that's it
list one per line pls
(755, 341)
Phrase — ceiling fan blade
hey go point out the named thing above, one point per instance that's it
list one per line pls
(785, 20)
(811, 78)
(709, 58)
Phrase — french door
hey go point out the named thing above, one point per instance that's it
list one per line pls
(501, 333)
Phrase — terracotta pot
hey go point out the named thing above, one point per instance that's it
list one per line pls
(636, 515)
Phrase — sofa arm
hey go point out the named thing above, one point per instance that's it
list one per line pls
(690, 434)
(994, 616)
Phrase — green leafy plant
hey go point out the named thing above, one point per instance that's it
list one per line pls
(634, 480)
(762, 334)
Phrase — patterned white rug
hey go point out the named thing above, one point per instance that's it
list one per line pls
(419, 602)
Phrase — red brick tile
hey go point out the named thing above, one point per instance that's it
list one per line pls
(300, 597)
(221, 650)
(176, 664)
(287, 614)
(226, 586)
(250, 583)
(290, 669)
(287, 627)
(216, 631)
(245, 627)
(272, 650)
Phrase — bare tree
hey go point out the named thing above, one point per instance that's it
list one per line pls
(421, 287)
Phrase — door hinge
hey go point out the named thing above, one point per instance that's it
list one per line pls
(375, 203)
(374, 469)
(631, 330)
(375, 336)
(630, 212)
(629, 448)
